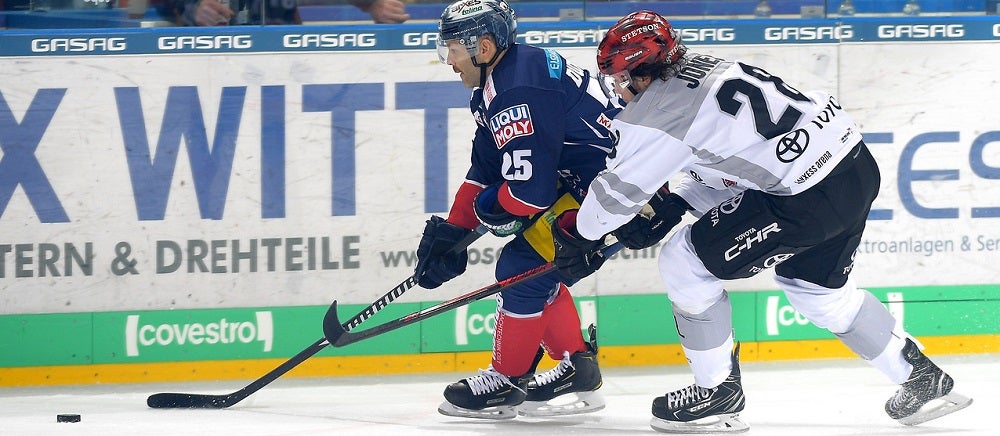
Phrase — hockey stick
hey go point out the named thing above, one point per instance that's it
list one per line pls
(337, 335)
(411, 281)
(171, 400)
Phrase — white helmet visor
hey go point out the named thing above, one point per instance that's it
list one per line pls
(452, 51)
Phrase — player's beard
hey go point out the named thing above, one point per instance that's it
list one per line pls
(470, 79)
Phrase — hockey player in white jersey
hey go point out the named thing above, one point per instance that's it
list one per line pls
(777, 178)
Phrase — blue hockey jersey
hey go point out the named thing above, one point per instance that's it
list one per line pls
(540, 121)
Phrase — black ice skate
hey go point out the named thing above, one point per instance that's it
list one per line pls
(489, 395)
(569, 388)
(695, 409)
(926, 394)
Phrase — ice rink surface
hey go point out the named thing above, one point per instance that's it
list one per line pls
(813, 398)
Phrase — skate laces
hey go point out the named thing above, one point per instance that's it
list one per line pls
(686, 396)
(904, 396)
(489, 380)
(553, 374)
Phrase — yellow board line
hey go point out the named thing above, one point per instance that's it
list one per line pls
(610, 356)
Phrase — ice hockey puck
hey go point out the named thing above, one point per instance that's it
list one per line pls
(68, 418)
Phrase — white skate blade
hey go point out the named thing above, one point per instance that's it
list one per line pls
(494, 413)
(937, 408)
(570, 404)
(727, 423)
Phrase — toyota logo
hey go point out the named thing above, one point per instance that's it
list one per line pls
(792, 145)
(776, 259)
(729, 206)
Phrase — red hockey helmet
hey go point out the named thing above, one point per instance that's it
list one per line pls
(641, 37)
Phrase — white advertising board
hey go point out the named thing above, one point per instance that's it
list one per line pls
(131, 182)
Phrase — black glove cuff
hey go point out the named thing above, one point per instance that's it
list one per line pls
(670, 204)
(494, 217)
(576, 257)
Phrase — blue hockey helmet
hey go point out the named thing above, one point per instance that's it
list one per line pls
(468, 20)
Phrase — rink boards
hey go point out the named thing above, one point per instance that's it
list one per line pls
(176, 201)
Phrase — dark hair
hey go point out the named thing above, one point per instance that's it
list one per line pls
(660, 70)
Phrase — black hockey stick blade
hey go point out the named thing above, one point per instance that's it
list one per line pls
(169, 400)
(332, 328)
(337, 335)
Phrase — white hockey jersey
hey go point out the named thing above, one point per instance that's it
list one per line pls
(728, 126)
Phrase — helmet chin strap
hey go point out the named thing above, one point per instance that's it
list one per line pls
(483, 67)
(482, 75)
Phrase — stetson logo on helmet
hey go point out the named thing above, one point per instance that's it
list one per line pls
(643, 29)
(642, 37)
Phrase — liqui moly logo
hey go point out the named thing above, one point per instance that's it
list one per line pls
(139, 335)
(511, 123)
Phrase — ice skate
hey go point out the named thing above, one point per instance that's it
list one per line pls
(695, 409)
(568, 389)
(489, 395)
(927, 394)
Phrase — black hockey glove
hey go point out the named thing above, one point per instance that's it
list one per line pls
(646, 230)
(576, 257)
(494, 217)
(435, 265)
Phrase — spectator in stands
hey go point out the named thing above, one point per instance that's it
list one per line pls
(235, 12)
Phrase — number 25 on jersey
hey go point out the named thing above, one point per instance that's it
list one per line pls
(516, 165)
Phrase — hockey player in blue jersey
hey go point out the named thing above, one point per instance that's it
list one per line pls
(541, 137)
